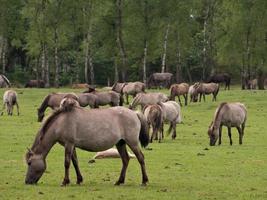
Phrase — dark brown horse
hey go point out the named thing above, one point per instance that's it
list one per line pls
(220, 78)
(160, 80)
(35, 83)
(91, 130)
(177, 90)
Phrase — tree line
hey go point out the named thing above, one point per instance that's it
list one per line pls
(104, 41)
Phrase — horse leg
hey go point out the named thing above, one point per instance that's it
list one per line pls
(180, 100)
(230, 135)
(68, 155)
(140, 157)
(4, 107)
(204, 98)
(220, 135)
(127, 98)
(76, 167)
(240, 134)
(162, 130)
(170, 128)
(200, 95)
(11, 109)
(125, 160)
(185, 99)
(174, 130)
(17, 107)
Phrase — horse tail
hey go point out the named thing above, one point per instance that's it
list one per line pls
(42, 108)
(121, 99)
(172, 93)
(6, 80)
(157, 114)
(143, 134)
(217, 91)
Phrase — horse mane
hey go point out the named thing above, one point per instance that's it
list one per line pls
(66, 105)
(219, 110)
(45, 102)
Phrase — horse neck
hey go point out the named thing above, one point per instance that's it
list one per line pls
(217, 119)
(136, 100)
(43, 146)
(44, 104)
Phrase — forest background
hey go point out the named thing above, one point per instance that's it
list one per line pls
(104, 41)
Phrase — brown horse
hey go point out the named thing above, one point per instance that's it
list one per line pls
(91, 130)
(53, 101)
(35, 83)
(106, 97)
(177, 90)
(154, 118)
(220, 78)
(207, 88)
(130, 88)
(160, 80)
(10, 99)
(230, 115)
(144, 99)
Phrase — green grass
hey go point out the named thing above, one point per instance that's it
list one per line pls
(177, 169)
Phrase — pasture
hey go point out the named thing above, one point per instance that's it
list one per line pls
(185, 168)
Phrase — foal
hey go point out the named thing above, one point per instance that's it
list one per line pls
(9, 100)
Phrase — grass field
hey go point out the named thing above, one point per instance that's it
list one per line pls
(185, 168)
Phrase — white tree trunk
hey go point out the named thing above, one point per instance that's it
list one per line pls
(43, 63)
(163, 65)
(144, 62)
(47, 75)
(56, 60)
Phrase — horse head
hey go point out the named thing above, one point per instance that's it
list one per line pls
(213, 134)
(36, 167)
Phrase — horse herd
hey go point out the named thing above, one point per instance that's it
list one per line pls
(100, 129)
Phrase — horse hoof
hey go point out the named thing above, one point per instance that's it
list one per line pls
(118, 183)
(144, 184)
(65, 183)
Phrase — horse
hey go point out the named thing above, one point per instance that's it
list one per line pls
(154, 118)
(91, 130)
(252, 84)
(130, 88)
(35, 83)
(230, 115)
(220, 78)
(192, 93)
(106, 97)
(207, 88)
(10, 99)
(79, 86)
(53, 101)
(177, 90)
(171, 113)
(148, 99)
(160, 79)
(4, 82)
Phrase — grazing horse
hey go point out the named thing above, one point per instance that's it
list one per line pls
(171, 113)
(10, 99)
(148, 99)
(220, 78)
(207, 88)
(177, 90)
(154, 118)
(130, 88)
(35, 83)
(230, 115)
(91, 130)
(106, 97)
(4, 82)
(192, 93)
(160, 79)
(53, 101)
